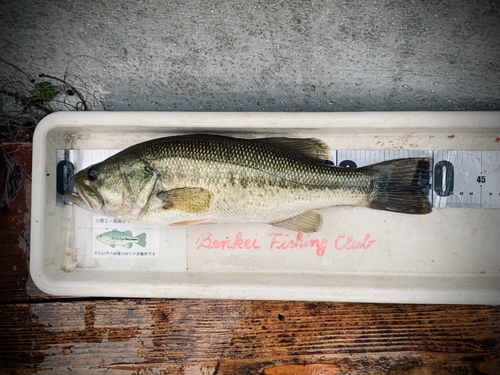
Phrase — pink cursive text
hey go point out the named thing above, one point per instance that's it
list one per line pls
(343, 243)
(297, 243)
(205, 241)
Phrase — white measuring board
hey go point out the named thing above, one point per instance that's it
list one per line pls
(449, 256)
(467, 179)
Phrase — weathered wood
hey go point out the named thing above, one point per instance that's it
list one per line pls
(10, 178)
(15, 233)
(240, 337)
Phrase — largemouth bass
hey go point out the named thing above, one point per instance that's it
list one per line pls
(126, 239)
(193, 179)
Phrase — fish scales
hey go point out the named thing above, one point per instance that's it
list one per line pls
(285, 166)
(250, 179)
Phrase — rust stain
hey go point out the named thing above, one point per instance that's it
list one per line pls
(312, 369)
(491, 367)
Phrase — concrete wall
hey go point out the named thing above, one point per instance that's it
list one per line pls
(316, 55)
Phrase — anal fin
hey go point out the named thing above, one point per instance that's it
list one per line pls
(307, 222)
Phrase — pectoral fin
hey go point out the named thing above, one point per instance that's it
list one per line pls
(188, 199)
(307, 222)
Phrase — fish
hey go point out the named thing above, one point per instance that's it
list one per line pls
(126, 239)
(205, 178)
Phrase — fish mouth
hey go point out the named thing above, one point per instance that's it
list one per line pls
(86, 198)
(75, 198)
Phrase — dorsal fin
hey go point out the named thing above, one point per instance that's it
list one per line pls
(311, 147)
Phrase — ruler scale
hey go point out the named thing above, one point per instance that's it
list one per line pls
(467, 179)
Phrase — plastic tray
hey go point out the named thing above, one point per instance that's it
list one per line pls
(449, 256)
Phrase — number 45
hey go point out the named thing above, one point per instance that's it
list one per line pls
(481, 179)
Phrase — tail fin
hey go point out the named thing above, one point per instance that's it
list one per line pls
(142, 239)
(401, 185)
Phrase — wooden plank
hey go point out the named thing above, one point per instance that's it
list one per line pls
(240, 337)
(15, 233)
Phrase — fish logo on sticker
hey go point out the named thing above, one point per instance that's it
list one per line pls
(126, 239)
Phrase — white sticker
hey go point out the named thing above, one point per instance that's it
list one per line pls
(113, 238)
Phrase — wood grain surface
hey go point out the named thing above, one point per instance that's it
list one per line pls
(15, 232)
(248, 337)
(47, 335)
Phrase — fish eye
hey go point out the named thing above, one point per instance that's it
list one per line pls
(92, 173)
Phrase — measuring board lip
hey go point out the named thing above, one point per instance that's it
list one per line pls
(458, 179)
(351, 122)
